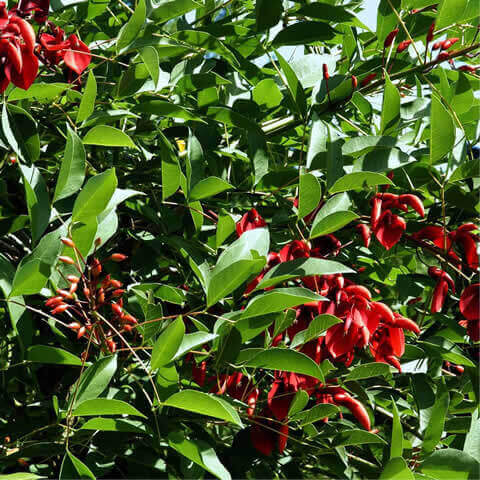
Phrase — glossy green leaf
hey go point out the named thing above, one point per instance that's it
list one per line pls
(163, 108)
(396, 444)
(107, 136)
(368, 370)
(356, 437)
(433, 432)
(204, 404)
(129, 32)
(301, 267)
(442, 131)
(165, 10)
(359, 180)
(87, 104)
(105, 406)
(314, 330)
(94, 197)
(151, 60)
(267, 13)
(470, 169)
(72, 171)
(309, 194)
(316, 413)
(114, 425)
(396, 469)
(390, 108)
(72, 467)
(267, 94)
(450, 464)
(167, 344)
(279, 359)
(278, 300)
(331, 223)
(54, 355)
(303, 33)
(208, 187)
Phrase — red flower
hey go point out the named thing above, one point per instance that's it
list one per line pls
(268, 435)
(430, 33)
(72, 50)
(390, 38)
(240, 387)
(403, 46)
(444, 282)
(365, 233)
(338, 396)
(389, 229)
(470, 308)
(250, 221)
(272, 260)
(468, 241)
(19, 64)
(38, 7)
(449, 42)
(293, 250)
(368, 79)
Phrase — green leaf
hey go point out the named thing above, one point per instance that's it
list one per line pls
(463, 98)
(469, 169)
(331, 223)
(114, 425)
(38, 202)
(225, 227)
(424, 397)
(168, 343)
(364, 144)
(163, 108)
(105, 406)
(167, 9)
(318, 412)
(386, 19)
(171, 172)
(208, 187)
(46, 354)
(309, 194)
(359, 180)
(39, 91)
(326, 13)
(151, 60)
(396, 446)
(302, 33)
(390, 109)
(278, 300)
(280, 359)
(193, 340)
(198, 452)
(107, 136)
(267, 94)
(433, 432)
(72, 467)
(294, 86)
(204, 404)
(455, 11)
(87, 104)
(130, 31)
(30, 278)
(224, 281)
(450, 464)
(356, 437)
(96, 379)
(267, 13)
(199, 81)
(94, 197)
(299, 402)
(20, 476)
(20, 131)
(368, 370)
(317, 326)
(442, 131)
(72, 170)
(396, 469)
(301, 267)
(472, 439)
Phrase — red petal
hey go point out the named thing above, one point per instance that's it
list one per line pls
(29, 70)
(390, 229)
(469, 302)
(439, 295)
(78, 57)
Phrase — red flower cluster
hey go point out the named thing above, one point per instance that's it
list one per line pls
(387, 226)
(20, 49)
(250, 221)
(444, 240)
(444, 283)
(102, 297)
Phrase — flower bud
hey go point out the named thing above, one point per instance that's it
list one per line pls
(73, 279)
(437, 45)
(96, 267)
(60, 309)
(368, 79)
(118, 293)
(74, 326)
(449, 42)
(390, 38)
(54, 301)
(68, 242)
(116, 309)
(118, 257)
(326, 76)
(67, 260)
(354, 82)
(81, 332)
(430, 32)
(403, 46)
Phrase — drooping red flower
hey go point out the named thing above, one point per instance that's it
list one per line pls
(267, 434)
(338, 396)
(390, 38)
(403, 46)
(468, 242)
(365, 233)
(293, 250)
(18, 63)
(389, 229)
(38, 7)
(273, 259)
(470, 309)
(250, 221)
(444, 282)
(240, 387)
(368, 79)
(72, 50)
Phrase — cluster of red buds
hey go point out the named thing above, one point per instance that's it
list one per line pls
(93, 302)
(21, 49)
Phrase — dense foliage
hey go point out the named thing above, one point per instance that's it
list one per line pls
(239, 239)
